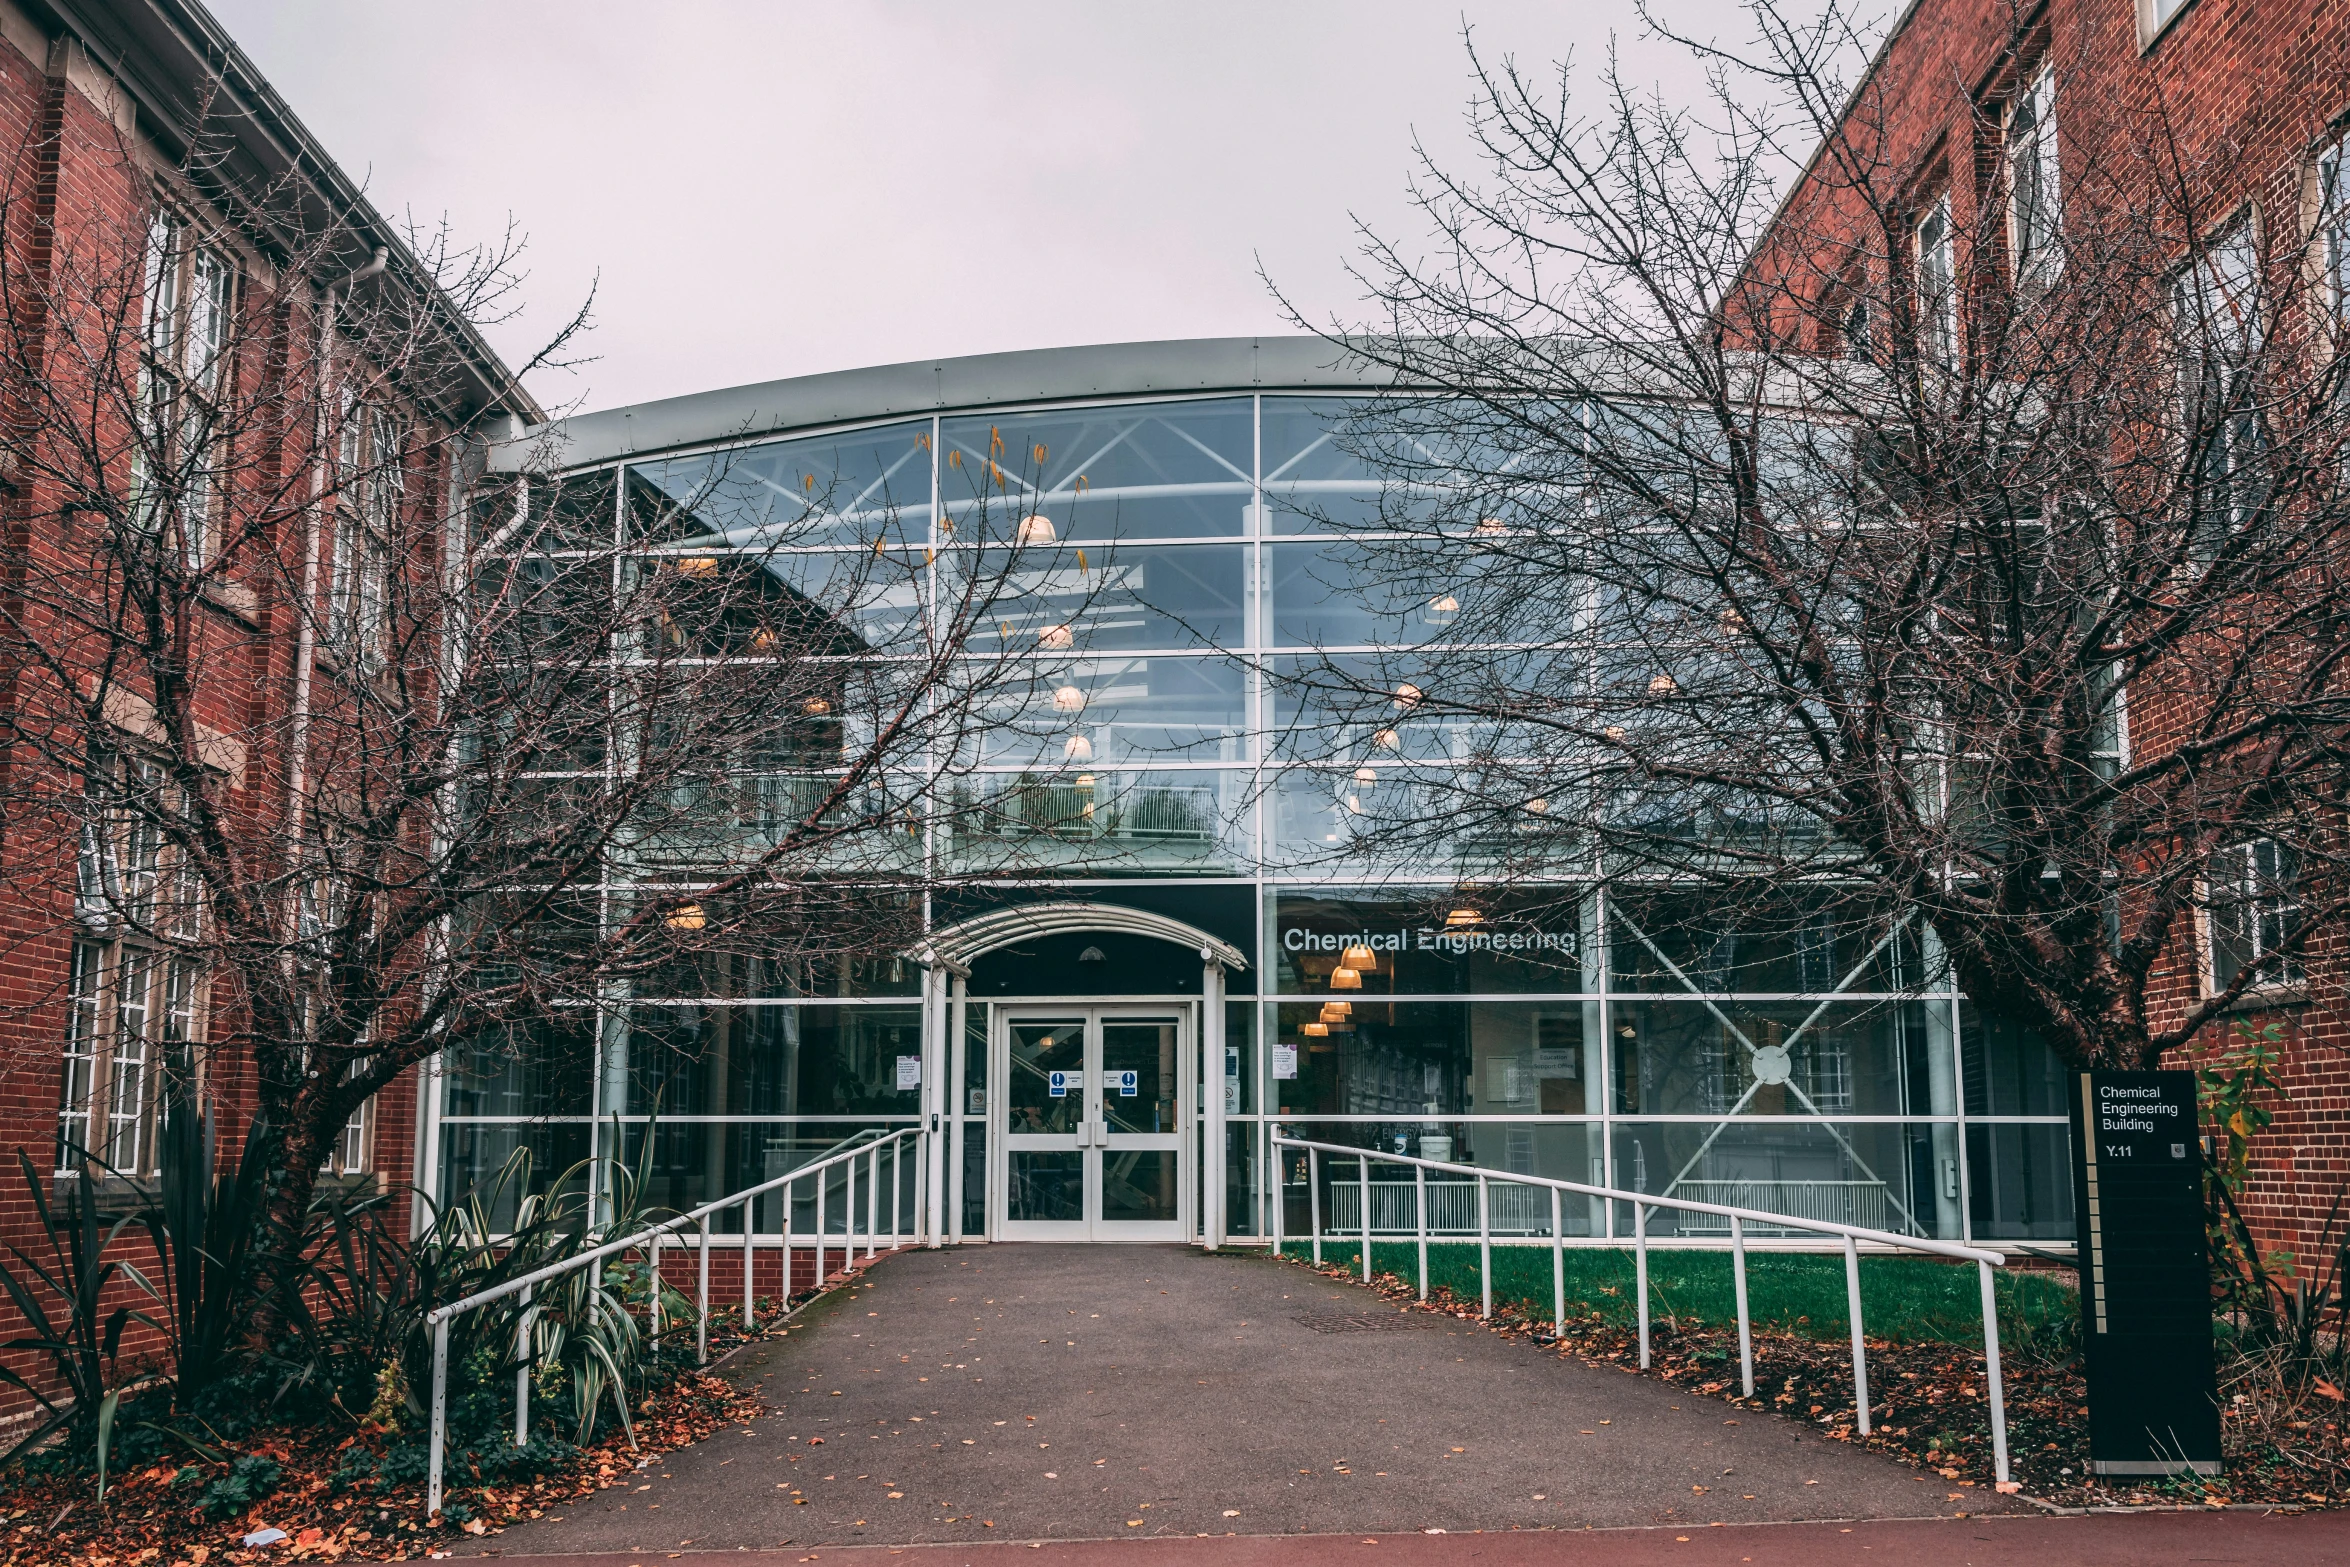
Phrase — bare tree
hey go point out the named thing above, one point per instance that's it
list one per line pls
(326, 750)
(1970, 556)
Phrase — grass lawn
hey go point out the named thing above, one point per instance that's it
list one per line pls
(1907, 1299)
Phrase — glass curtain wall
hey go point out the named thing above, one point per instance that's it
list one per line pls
(1157, 568)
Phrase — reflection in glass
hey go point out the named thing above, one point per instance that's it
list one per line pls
(769, 1060)
(1862, 1174)
(847, 489)
(1139, 1183)
(1106, 710)
(1108, 596)
(1765, 1058)
(1046, 1092)
(1138, 471)
(1147, 1049)
(1091, 822)
(1045, 1185)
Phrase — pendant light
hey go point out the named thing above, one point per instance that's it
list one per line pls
(1343, 978)
(1035, 530)
(1361, 959)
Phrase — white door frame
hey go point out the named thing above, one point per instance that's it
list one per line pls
(1094, 1011)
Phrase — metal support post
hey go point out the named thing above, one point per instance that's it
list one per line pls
(1860, 1354)
(1280, 1191)
(1991, 1373)
(1485, 1245)
(522, 1372)
(438, 1445)
(653, 1283)
(955, 1097)
(1314, 1198)
(785, 1194)
(1366, 1190)
(702, 1296)
(1745, 1329)
(1558, 1263)
(750, 1309)
(1640, 1271)
(872, 1202)
(1420, 1211)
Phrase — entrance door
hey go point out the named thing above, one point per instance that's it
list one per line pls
(1093, 1123)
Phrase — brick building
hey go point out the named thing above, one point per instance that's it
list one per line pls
(2195, 144)
(209, 428)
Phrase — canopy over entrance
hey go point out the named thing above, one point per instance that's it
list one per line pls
(955, 946)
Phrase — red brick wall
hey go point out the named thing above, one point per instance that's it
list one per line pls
(2235, 96)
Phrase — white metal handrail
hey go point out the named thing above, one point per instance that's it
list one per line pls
(650, 1240)
(1853, 1235)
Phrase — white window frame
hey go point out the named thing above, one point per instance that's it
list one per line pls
(2219, 328)
(187, 334)
(2331, 224)
(134, 992)
(1934, 258)
(2035, 185)
(2239, 887)
(371, 492)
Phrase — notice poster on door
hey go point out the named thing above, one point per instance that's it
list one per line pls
(909, 1073)
(1284, 1062)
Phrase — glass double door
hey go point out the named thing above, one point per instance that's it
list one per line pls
(1093, 1127)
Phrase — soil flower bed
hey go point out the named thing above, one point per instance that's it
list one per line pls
(2284, 1444)
(340, 1495)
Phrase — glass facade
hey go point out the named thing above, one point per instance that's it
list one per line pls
(1161, 571)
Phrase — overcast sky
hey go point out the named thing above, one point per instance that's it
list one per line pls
(763, 189)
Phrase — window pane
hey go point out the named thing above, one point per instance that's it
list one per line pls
(1529, 941)
(1110, 596)
(2009, 1069)
(1845, 1174)
(1764, 1058)
(771, 1060)
(1192, 822)
(1312, 480)
(859, 487)
(1106, 710)
(1147, 471)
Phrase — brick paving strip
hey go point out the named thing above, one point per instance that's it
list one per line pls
(1087, 1393)
(2255, 1539)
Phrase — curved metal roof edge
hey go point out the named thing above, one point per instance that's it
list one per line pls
(1177, 366)
(958, 944)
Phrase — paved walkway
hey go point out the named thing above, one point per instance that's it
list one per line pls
(1094, 1392)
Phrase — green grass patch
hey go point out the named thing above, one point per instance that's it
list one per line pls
(1907, 1299)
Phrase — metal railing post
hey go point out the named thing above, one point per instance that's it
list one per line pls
(1420, 1205)
(1314, 1199)
(848, 1215)
(1366, 1218)
(1640, 1269)
(1991, 1373)
(440, 1417)
(1745, 1332)
(787, 1259)
(522, 1372)
(1280, 1193)
(1558, 1263)
(750, 1309)
(1860, 1354)
(653, 1285)
(702, 1296)
(873, 1202)
(897, 1192)
(1485, 1245)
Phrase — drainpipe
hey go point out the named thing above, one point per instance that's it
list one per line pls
(313, 549)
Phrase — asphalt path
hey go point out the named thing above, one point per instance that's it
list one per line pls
(1085, 1393)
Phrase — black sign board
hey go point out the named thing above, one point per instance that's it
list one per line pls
(2145, 1276)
